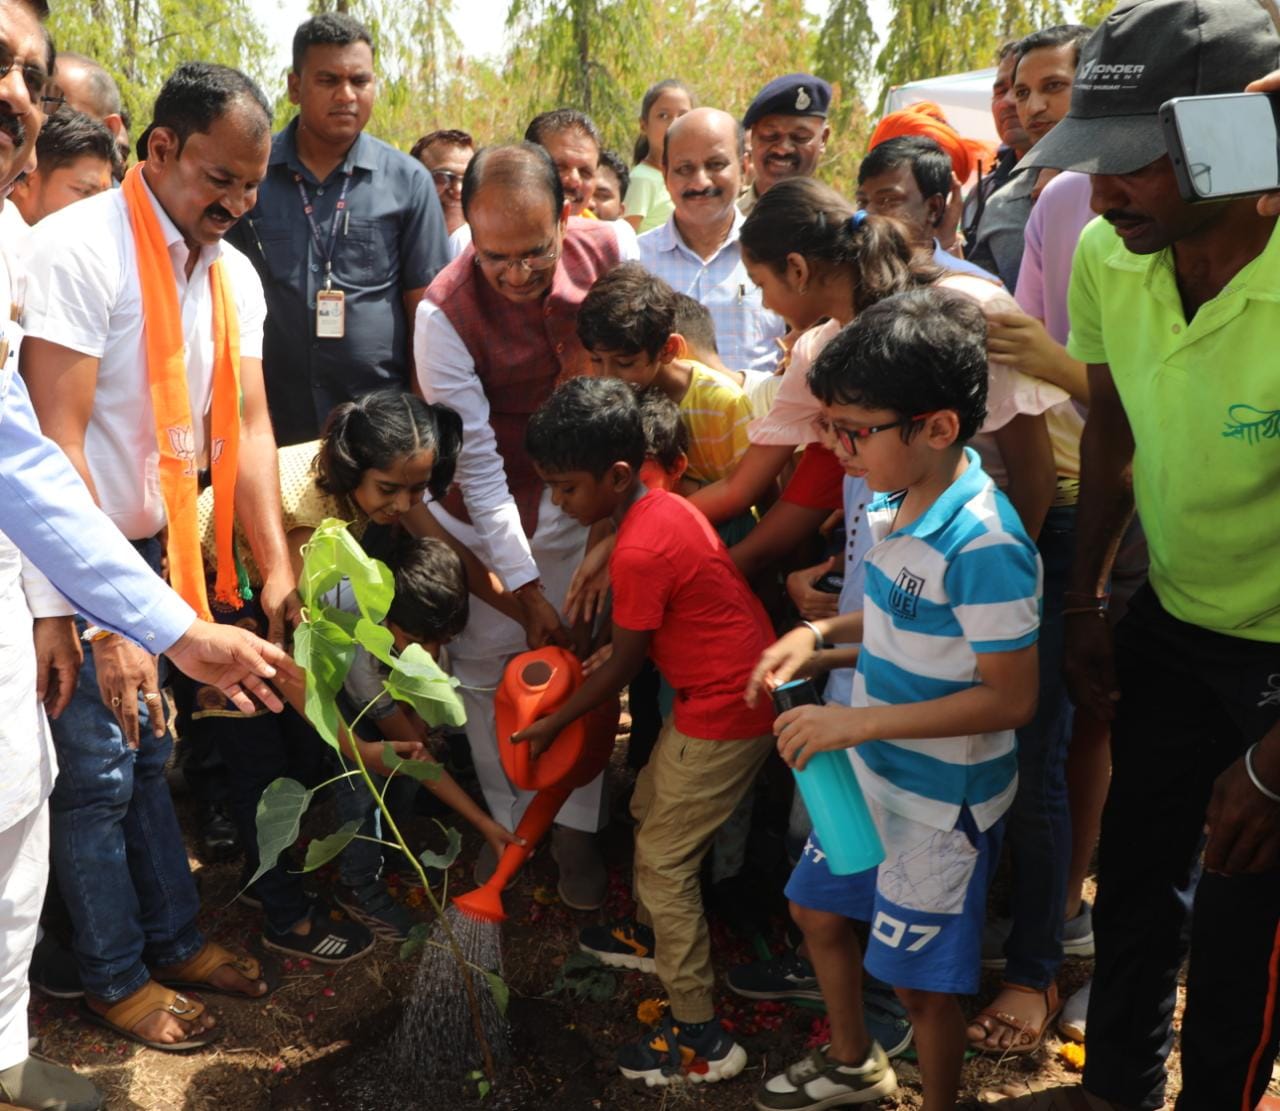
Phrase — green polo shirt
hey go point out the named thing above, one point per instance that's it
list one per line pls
(1203, 400)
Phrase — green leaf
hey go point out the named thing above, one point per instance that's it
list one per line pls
(324, 849)
(453, 846)
(325, 651)
(482, 1088)
(377, 640)
(501, 993)
(279, 818)
(320, 571)
(418, 934)
(371, 580)
(424, 771)
(417, 679)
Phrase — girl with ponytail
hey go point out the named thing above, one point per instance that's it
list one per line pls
(647, 203)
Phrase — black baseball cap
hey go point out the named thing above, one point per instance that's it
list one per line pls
(1147, 52)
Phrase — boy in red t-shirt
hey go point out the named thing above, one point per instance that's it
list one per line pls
(678, 599)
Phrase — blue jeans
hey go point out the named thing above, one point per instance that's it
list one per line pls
(117, 848)
(1038, 828)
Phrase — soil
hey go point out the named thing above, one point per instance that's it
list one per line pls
(318, 1041)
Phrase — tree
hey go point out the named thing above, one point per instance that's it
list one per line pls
(140, 42)
(931, 37)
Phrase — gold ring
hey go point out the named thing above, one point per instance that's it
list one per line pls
(115, 701)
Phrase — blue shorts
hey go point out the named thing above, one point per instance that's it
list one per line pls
(926, 902)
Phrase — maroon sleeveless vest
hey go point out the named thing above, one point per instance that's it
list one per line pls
(522, 351)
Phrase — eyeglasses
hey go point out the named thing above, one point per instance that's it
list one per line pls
(34, 77)
(447, 178)
(531, 264)
(849, 437)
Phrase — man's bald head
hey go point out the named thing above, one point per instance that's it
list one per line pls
(87, 86)
(90, 89)
(705, 123)
(519, 170)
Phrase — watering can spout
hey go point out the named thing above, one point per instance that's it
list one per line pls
(534, 685)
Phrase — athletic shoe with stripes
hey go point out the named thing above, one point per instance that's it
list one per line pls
(329, 942)
(625, 943)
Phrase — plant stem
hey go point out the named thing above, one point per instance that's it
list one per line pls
(473, 1001)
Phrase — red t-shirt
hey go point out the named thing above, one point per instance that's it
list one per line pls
(818, 482)
(672, 576)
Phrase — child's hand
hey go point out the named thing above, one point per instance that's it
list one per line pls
(597, 659)
(537, 736)
(779, 663)
(804, 730)
(499, 837)
(589, 587)
(812, 603)
(371, 753)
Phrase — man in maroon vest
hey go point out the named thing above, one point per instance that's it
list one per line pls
(494, 334)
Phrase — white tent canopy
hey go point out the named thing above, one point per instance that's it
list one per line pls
(965, 98)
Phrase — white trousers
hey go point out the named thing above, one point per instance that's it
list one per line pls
(478, 656)
(24, 871)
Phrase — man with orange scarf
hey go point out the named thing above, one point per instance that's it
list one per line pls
(143, 362)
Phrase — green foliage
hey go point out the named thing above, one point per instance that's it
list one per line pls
(424, 771)
(584, 978)
(418, 934)
(279, 819)
(932, 37)
(324, 849)
(501, 993)
(443, 861)
(417, 679)
(141, 41)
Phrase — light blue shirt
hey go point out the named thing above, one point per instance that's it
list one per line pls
(48, 513)
(747, 333)
(949, 262)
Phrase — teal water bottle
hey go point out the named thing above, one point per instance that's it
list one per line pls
(832, 796)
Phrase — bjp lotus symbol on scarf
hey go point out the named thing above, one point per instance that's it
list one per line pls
(182, 443)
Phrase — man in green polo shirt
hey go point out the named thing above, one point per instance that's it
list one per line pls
(1175, 307)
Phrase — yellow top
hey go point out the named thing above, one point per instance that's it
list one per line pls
(716, 413)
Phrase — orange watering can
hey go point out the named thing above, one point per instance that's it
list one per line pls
(534, 685)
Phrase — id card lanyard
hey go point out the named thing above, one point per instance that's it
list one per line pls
(331, 313)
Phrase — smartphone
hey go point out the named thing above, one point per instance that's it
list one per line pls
(798, 692)
(1223, 146)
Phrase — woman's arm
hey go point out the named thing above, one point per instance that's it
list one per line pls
(758, 467)
(1027, 453)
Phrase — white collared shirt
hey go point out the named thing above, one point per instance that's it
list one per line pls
(83, 293)
(747, 333)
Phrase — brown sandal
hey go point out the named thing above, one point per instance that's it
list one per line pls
(123, 1017)
(196, 973)
(1027, 1038)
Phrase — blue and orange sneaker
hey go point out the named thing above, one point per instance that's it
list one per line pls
(695, 1053)
(625, 943)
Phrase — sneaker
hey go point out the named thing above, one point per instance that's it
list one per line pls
(329, 942)
(374, 907)
(818, 1082)
(701, 1054)
(1077, 932)
(789, 976)
(886, 1018)
(1071, 1021)
(36, 1083)
(625, 943)
(583, 878)
(53, 970)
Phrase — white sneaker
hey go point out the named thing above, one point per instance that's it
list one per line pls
(1071, 1021)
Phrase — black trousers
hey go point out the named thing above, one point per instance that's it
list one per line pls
(1191, 702)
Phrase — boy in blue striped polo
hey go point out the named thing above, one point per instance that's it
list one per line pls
(945, 673)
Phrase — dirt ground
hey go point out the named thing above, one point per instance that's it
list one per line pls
(315, 1042)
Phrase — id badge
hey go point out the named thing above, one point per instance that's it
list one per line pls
(331, 314)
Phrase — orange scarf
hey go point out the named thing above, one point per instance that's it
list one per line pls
(171, 402)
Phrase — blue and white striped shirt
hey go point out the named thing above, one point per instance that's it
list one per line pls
(962, 580)
(747, 333)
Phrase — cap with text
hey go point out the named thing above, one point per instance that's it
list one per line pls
(1145, 53)
(795, 94)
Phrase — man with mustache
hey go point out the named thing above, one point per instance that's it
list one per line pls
(697, 252)
(1014, 142)
(143, 358)
(346, 236)
(494, 334)
(1044, 68)
(1175, 309)
(789, 132)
